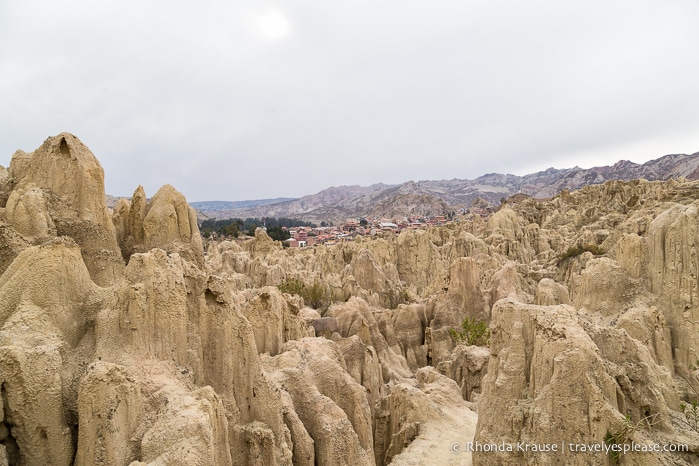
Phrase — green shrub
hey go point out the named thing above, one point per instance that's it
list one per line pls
(624, 434)
(691, 414)
(316, 295)
(575, 251)
(293, 286)
(472, 333)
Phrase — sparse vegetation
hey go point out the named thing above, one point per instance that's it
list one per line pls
(575, 251)
(623, 435)
(316, 295)
(472, 333)
(691, 414)
(691, 410)
(235, 226)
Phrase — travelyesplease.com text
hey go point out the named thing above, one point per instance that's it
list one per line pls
(565, 447)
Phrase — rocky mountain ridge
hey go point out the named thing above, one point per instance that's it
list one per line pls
(424, 198)
(126, 340)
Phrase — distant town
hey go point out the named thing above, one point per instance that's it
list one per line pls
(306, 236)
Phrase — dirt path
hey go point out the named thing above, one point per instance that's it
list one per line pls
(442, 440)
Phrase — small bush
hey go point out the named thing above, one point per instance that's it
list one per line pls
(292, 286)
(315, 295)
(623, 435)
(575, 251)
(691, 414)
(472, 333)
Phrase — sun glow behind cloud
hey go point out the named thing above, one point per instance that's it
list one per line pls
(273, 25)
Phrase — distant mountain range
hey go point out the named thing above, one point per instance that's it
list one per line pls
(337, 204)
(216, 206)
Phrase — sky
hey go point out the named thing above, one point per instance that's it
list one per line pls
(241, 99)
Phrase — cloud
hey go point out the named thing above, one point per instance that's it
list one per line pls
(196, 95)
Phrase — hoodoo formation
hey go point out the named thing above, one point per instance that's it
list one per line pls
(123, 343)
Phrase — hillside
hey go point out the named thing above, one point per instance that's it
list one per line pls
(439, 197)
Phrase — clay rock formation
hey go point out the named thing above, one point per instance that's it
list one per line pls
(467, 366)
(110, 405)
(179, 357)
(331, 406)
(48, 305)
(58, 190)
(379, 285)
(166, 222)
(421, 420)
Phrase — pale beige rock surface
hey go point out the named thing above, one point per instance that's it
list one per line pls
(185, 358)
(59, 190)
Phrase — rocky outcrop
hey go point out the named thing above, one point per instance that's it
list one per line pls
(58, 190)
(467, 366)
(331, 405)
(545, 353)
(356, 318)
(166, 222)
(110, 410)
(421, 420)
(254, 354)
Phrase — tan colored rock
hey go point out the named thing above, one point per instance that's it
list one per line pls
(418, 260)
(191, 430)
(166, 222)
(463, 296)
(506, 234)
(137, 214)
(171, 224)
(630, 254)
(48, 301)
(363, 364)
(273, 319)
(5, 186)
(508, 282)
(28, 213)
(32, 406)
(185, 359)
(331, 405)
(370, 277)
(229, 259)
(231, 365)
(262, 246)
(603, 287)
(550, 293)
(542, 353)
(110, 414)
(404, 330)
(61, 186)
(355, 317)
(303, 453)
(54, 278)
(11, 244)
(122, 227)
(672, 270)
(466, 365)
(325, 327)
(419, 422)
(648, 326)
(152, 319)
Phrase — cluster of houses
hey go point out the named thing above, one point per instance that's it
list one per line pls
(306, 236)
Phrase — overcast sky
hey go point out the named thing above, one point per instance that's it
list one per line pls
(234, 100)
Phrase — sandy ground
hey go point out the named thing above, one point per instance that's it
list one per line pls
(442, 440)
